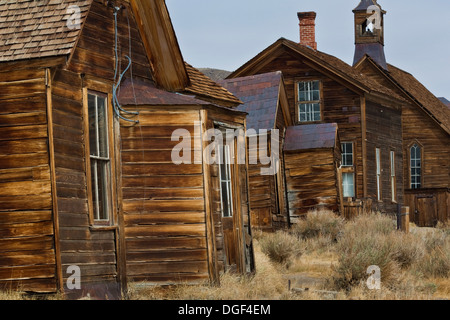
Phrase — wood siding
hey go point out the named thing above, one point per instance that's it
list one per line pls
(163, 203)
(27, 243)
(311, 178)
(384, 131)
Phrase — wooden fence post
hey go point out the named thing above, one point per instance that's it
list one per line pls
(404, 219)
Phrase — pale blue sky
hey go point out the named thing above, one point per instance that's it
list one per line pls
(225, 34)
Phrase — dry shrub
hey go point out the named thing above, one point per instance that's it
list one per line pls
(281, 247)
(318, 223)
(436, 260)
(363, 243)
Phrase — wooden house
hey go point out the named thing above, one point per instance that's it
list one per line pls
(323, 89)
(90, 197)
(312, 155)
(426, 129)
(265, 101)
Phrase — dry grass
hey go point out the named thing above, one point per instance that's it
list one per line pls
(324, 253)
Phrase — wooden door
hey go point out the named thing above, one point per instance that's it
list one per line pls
(426, 211)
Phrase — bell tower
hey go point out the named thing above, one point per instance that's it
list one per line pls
(369, 32)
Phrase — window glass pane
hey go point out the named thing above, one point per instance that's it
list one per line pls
(102, 180)
(102, 127)
(348, 185)
(92, 115)
(94, 187)
(225, 182)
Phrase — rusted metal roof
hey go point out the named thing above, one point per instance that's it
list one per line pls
(139, 92)
(36, 29)
(310, 136)
(259, 94)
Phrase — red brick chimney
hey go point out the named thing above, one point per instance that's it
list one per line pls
(308, 29)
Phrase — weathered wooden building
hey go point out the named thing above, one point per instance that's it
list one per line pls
(312, 155)
(87, 175)
(323, 89)
(426, 126)
(265, 101)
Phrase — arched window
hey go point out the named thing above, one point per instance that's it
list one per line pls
(415, 165)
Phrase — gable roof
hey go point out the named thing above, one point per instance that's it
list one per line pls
(328, 63)
(428, 101)
(260, 96)
(203, 87)
(36, 29)
(311, 136)
(416, 91)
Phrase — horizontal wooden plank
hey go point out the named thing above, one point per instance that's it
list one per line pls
(167, 267)
(175, 230)
(195, 181)
(24, 88)
(27, 258)
(24, 74)
(130, 206)
(40, 228)
(161, 218)
(162, 193)
(99, 257)
(23, 174)
(145, 132)
(27, 272)
(91, 245)
(138, 169)
(23, 132)
(22, 188)
(23, 119)
(32, 243)
(18, 217)
(23, 160)
(39, 202)
(23, 146)
(47, 285)
(169, 243)
(35, 103)
(166, 255)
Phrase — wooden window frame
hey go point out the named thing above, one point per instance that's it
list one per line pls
(422, 164)
(349, 169)
(378, 171)
(393, 176)
(297, 102)
(101, 90)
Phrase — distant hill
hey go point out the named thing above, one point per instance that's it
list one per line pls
(215, 74)
(445, 101)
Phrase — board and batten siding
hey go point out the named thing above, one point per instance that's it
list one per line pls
(163, 203)
(27, 244)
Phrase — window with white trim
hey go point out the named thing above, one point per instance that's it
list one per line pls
(378, 165)
(348, 184)
(415, 155)
(347, 154)
(308, 101)
(393, 184)
(100, 161)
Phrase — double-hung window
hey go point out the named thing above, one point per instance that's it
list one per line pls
(393, 184)
(378, 171)
(226, 195)
(99, 157)
(348, 174)
(415, 164)
(308, 103)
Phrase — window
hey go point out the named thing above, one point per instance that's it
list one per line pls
(347, 154)
(348, 183)
(100, 166)
(309, 101)
(226, 198)
(415, 155)
(378, 164)
(393, 184)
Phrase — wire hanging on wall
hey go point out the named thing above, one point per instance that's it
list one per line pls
(118, 77)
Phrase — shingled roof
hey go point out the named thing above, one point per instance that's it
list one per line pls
(329, 62)
(428, 101)
(36, 29)
(260, 95)
(204, 87)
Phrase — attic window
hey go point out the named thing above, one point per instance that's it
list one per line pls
(309, 101)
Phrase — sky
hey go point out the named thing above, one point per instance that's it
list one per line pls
(226, 34)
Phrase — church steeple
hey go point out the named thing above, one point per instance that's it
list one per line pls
(369, 32)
